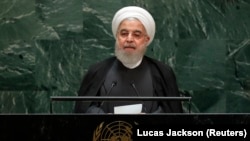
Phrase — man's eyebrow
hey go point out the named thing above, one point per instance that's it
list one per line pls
(125, 30)
(137, 31)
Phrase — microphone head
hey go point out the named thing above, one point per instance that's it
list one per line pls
(132, 84)
(114, 83)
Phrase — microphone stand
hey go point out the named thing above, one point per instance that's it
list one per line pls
(114, 83)
(137, 93)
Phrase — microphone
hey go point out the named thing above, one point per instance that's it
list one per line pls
(136, 91)
(137, 94)
(114, 83)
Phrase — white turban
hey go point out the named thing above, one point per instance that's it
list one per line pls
(135, 12)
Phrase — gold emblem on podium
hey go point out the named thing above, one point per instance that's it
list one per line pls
(114, 131)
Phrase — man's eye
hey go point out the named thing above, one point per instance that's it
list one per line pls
(124, 34)
(137, 35)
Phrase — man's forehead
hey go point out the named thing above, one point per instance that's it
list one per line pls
(139, 27)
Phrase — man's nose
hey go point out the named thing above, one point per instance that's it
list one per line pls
(130, 37)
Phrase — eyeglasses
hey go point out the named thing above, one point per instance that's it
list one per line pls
(135, 35)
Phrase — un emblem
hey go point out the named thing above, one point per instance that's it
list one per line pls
(114, 131)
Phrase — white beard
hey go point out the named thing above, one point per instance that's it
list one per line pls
(129, 60)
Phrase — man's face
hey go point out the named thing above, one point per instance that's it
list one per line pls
(131, 40)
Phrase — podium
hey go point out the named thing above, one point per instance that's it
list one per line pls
(97, 127)
(100, 127)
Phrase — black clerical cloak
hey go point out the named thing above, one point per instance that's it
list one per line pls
(163, 77)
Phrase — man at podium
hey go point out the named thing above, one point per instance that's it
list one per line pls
(130, 72)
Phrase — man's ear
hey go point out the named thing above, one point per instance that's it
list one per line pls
(147, 39)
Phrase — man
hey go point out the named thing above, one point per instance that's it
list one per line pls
(130, 72)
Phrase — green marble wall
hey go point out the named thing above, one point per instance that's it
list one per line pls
(46, 47)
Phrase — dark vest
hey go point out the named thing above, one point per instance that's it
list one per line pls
(128, 82)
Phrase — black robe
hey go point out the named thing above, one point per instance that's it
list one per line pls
(163, 78)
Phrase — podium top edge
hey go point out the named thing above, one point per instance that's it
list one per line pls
(114, 98)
